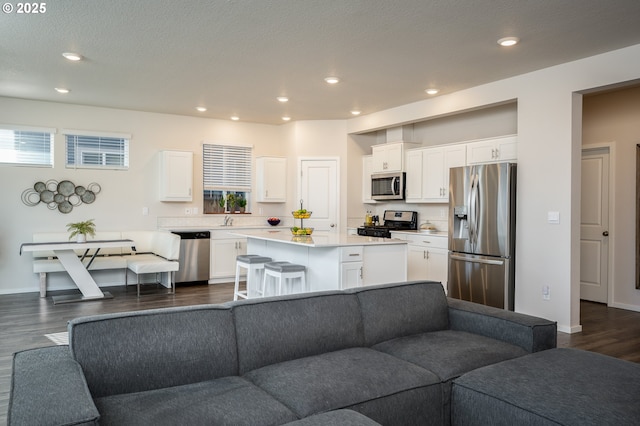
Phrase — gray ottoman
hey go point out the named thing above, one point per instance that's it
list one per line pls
(335, 418)
(552, 387)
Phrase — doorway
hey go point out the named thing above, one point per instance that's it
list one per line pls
(594, 225)
(319, 193)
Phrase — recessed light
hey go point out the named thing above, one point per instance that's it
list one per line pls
(72, 56)
(282, 99)
(432, 91)
(286, 118)
(355, 112)
(235, 118)
(62, 90)
(332, 80)
(508, 41)
(201, 109)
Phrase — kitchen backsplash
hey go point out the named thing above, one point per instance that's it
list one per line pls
(209, 221)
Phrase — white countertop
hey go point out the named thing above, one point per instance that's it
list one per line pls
(317, 240)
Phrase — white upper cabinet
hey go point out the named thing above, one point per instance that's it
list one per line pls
(367, 167)
(388, 157)
(176, 176)
(271, 179)
(493, 150)
(428, 172)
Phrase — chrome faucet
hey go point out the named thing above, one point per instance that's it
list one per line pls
(228, 220)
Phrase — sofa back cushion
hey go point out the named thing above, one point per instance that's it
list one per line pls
(138, 351)
(289, 327)
(397, 310)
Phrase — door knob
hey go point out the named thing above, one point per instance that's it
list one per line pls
(605, 233)
(332, 225)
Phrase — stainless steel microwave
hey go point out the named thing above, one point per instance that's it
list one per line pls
(387, 186)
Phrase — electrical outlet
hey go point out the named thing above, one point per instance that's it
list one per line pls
(194, 210)
(546, 293)
(145, 211)
(187, 211)
(443, 212)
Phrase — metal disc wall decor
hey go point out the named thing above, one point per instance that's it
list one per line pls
(62, 196)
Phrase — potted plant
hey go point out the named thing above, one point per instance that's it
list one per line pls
(231, 202)
(242, 203)
(221, 202)
(80, 230)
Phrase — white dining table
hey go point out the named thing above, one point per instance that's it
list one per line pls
(65, 251)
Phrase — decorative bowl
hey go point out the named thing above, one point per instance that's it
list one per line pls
(273, 221)
(301, 231)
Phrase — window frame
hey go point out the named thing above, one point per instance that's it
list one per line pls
(49, 157)
(72, 140)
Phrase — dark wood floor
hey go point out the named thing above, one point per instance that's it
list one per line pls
(26, 318)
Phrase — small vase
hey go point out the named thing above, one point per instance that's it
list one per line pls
(81, 238)
(242, 209)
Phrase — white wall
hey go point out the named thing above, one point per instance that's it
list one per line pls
(613, 119)
(549, 135)
(124, 193)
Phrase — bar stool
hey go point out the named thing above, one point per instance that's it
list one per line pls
(254, 264)
(283, 271)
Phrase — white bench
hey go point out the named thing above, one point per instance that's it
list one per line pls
(156, 252)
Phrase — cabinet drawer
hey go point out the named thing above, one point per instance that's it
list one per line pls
(351, 254)
(428, 240)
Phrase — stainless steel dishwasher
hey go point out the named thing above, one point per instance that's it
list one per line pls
(195, 247)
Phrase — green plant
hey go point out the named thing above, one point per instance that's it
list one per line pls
(221, 202)
(87, 228)
(231, 202)
(242, 202)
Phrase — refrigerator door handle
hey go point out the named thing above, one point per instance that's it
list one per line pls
(485, 261)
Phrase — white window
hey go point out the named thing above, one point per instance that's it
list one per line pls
(96, 150)
(226, 170)
(29, 146)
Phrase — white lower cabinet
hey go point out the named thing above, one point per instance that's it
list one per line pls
(427, 258)
(351, 267)
(224, 249)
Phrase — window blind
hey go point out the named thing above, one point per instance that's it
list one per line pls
(227, 167)
(91, 151)
(26, 147)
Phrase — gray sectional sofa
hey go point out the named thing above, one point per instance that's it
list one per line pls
(387, 352)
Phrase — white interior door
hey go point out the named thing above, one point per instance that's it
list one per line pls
(319, 193)
(594, 226)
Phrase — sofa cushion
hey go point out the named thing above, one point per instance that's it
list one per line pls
(289, 327)
(138, 351)
(229, 401)
(553, 387)
(38, 375)
(335, 418)
(449, 353)
(384, 388)
(397, 310)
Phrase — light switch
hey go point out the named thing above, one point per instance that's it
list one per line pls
(553, 217)
(145, 211)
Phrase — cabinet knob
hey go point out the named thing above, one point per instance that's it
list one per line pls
(605, 234)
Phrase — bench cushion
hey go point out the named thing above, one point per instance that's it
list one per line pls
(552, 387)
(230, 401)
(386, 389)
(99, 263)
(149, 263)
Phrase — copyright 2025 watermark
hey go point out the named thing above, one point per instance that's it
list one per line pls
(24, 8)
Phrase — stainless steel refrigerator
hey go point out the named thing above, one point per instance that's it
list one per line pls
(482, 234)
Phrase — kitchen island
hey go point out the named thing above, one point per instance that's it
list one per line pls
(333, 261)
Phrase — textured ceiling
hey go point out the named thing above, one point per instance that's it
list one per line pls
(236, 56)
